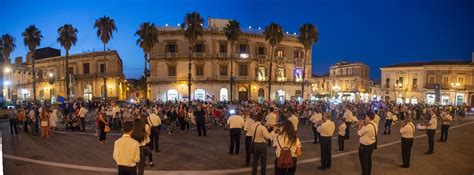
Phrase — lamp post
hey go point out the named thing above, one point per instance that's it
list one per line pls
(455, 86)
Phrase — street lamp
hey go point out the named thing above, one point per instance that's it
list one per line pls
(455, 86)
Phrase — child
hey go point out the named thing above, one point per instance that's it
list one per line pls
(341, 134)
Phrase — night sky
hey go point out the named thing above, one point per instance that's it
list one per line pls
(377, 32)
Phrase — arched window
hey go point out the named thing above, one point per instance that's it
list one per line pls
(87, 93)
(200, 94)
(172, 94)
(223, 95)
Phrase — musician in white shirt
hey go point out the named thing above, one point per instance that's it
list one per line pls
(431, 130)
(367, 132)
(326, 129)
(315, 118)
(388, 121)
(249, 121)
(349, 119)
(341, 134)
(407, 131)
(236, 123)
(294, 120)
(446, 120)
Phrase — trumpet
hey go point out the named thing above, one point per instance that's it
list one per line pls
(357, 125)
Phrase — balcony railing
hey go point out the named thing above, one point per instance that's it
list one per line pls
(281, 60)
(200, 78)
(199, 54)
(223, 78)
(243, 78)
(171, 55)
(243, 55)
(222, 55)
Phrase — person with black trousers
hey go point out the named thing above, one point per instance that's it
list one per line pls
(182, 117)
(431, 130)
(367, 132)
(200, 116)
(249, 121)
(407, 132)
(259, 145)
(155, 129)
(12, 116)
(326, 129)
(446, 120)
(235, 123)
(102, 123)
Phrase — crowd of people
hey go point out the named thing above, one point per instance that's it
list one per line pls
(264, 125)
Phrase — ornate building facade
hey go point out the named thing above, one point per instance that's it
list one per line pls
(211, 66)
(437, 82)
(87, 80)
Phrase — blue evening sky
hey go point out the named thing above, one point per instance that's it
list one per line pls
(376, 32)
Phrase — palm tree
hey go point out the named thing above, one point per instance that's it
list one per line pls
(32, 39)
(105, 27)
(232, 32)
(67, 38)
(192, 27)
(148, 37)
(308, 35)
(274, 35)
(8, 45)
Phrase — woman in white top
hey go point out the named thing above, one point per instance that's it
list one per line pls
(287, 139)
(53, 117)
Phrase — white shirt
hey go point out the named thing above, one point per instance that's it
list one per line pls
(367, 134)
(283, 142)
(389, 115)
(126, 151)
(115, 110)
(342, 129)
(377, 119)
(447, 118)
(348, 116)
(261, 135)
(408, 130)
(294, 120)
(154, 120)
(316, 117)
(433, 122)
(271, 119)
(235, 121)
(327, 128)
(82, 112)
(248, 123)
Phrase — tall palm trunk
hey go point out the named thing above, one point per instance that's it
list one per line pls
(34, 75)
(304, 75)
(145, 94)
(189, 71)
(67, 75)
(105, 77)
(270, 76)
(232, 71)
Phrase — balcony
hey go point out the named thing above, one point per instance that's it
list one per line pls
(223, 78)
(162, 78)
(243, 78)
(222, 55)
(171, 55)
(200, 78)
(199, 54)
(261, 59)
(281, 60)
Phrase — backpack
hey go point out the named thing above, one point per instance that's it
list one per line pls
(285, 160)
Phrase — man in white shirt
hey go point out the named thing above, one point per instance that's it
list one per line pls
(82, 115)
(431, 130)
(407, 132)
(271, 119)
(367, 138)
(341, 134)
(127, 152)
(446, 120)
(326, 129)
(315, 118)
(155, 129)
(259, 145)
(377, 119)
(235, 123)
(349, 119)
(294, 120)
(248, 138)
(388, 121)
(116, 116)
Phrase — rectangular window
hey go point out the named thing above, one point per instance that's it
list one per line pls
(460, 80)
(199, 70)
(243, 70)
(298, 54)
(431, 79)
(415, 82)
(243, 48)
(445, 80)
(281, 74)
(261, 50)
(223, 71)
(199, 48)
(400, 80)
(102, 68)
(85, 68)
(387, 82)
(171, 71)
(279, 53)
(222, 48)
(171, 48)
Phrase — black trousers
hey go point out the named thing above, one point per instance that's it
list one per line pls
(348, 124)
(286, 171)
(144, 152)
(325, 152)
(444, 132)
(25, 126)
(201, 128)
(259, 153)
(248, 151)
(13, 126)
(431, 133)
(102, 134)
(316, 134)
(125, 170)
(155, 138)
(234, 140)
(388, 126)
(407, 144)
(340, 142)
(83, 123)
(365, 158)
(182, 123)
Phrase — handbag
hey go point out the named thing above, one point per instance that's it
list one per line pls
(107, 128)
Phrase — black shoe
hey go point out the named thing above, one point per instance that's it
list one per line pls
(428, 152)
(440, 140)
(151, 164)
(230, 153)
(322, 168)
(404, 166)
(237, 153)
